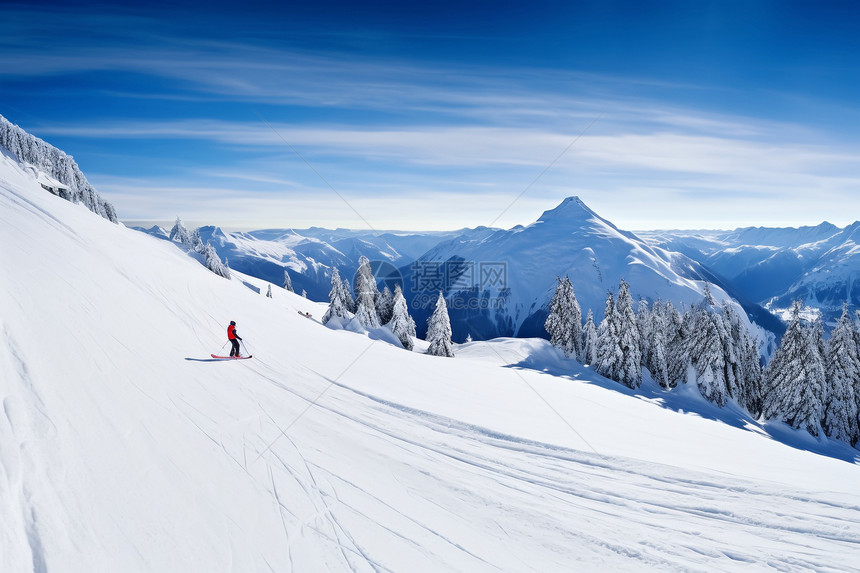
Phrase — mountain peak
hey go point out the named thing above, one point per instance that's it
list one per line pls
(571, 209)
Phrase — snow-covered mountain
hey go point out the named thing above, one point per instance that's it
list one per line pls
(408, 245)
(123, 447)
(570, 239)
(497, 282)
(774, 266)
(309, 255)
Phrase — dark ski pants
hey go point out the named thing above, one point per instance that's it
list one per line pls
(235, 349)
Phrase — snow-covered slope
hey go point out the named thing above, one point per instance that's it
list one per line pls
(569, 239)
(124, 448)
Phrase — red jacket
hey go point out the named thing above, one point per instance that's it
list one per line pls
(231, 332)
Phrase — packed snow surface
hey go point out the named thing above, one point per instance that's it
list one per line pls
(123, 447)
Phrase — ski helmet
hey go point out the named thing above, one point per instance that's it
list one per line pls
(232, 323)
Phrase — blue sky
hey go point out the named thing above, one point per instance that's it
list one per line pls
(442, 115)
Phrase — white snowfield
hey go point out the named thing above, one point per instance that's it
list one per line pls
(124, 448)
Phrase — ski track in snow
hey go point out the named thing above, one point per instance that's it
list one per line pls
(580, 483)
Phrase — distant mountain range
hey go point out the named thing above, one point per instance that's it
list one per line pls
(819, 265)
(310, 254)
(497, 282)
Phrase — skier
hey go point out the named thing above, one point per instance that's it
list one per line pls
(234, 339)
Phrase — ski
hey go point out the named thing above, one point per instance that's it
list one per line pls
(230, 357)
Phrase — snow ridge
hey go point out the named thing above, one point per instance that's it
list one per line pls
(42, 159)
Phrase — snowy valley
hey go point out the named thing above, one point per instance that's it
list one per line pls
(124, 447)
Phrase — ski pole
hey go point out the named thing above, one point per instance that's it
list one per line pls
(245, 347)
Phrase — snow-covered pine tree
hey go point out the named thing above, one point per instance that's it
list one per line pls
(745, 363)
(842, 372)
(564, 321)
(269, 292)
(589, 340)
(195, 241)
(730, 336)
(707, 358)
(709, 298)
(658, 363)
(644, 325)
(751, 395)
(365, 281)
(401, 324)
(608, 355)
(816, 335)
(794, 379)
(10, 140)
(347, 296)
(468, 338)
(628, 339)
(856, 332)
(304, 293)
(179, 234)
(385, 305)
(857, 328)
(337, 307)
(815, 332)
(288, 282)
(678, 345)
(213, 263)
(366, 295)
(366, 315)
(439, 330)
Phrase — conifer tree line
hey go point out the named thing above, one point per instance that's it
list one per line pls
(809, 383)
(372, 308)
(31, 150)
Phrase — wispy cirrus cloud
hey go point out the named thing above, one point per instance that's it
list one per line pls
(657, 149)
(711, 174)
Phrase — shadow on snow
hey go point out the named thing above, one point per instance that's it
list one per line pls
(686, 399)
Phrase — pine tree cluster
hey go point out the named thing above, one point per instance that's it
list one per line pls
(370, 308)
(809, 384)
(815, 385)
